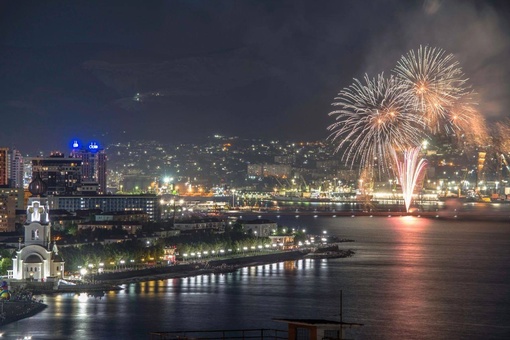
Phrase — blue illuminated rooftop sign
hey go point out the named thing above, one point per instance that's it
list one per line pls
(77, 145)
(93, 146)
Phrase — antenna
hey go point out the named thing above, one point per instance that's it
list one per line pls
(341, 318)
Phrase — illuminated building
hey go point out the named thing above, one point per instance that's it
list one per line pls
(61, 175)
(259, 227)
(16, 169)
(4, 166)
(10, 200)
(11, 168)
(93, 167)
(147, 203)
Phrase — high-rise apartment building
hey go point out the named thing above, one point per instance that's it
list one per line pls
(61, 175)
(4, 166)
(11, 168)
(93, 164)
(10, 200)
(16, 169)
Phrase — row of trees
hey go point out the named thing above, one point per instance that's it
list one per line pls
(136, 252)
(95, 254)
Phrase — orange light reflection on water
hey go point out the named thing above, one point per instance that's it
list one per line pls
(413, 294)
(412, 223)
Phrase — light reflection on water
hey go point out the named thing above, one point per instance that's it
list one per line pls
(411, 278)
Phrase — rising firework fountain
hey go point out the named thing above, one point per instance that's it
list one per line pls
(409, 171)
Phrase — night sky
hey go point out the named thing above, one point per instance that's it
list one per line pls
(72, 69)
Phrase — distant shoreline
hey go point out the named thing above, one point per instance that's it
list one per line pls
(440, 214)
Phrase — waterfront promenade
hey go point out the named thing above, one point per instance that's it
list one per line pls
(198, 267)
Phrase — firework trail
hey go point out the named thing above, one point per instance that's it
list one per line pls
(435, 81)
(373, 117)
(409, 171)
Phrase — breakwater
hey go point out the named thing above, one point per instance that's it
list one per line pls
(11, 311)
(197, 268)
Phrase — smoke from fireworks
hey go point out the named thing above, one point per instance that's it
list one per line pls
(468, 125)
(428, 95)
(371, 118)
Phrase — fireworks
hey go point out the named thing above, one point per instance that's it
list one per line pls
(371, 118)
(409, 171)
(501, 137)
(435, 82)
(468, 125)
(428, 95)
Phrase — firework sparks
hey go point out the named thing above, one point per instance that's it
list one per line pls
(501, 136)
(435, 82)
(409, 171)
(373, 117)
(468, 125)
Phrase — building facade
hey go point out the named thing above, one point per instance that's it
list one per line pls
(148, 203)
(61, 175)
(94, 161)
(16, 169)
(259, 227)
(4, 167)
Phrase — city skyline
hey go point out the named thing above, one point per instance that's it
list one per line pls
(181, 71)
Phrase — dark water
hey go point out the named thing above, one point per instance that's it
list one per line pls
(411, 278)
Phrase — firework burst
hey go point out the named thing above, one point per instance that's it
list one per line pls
(435, 82)
(373, 117)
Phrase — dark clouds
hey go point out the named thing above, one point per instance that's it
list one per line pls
(252, 68)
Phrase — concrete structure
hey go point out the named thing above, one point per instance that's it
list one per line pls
(7, 213)
(200, 224)
(147, 203)
(16, 169)
(317, 329)
(94, 162)
(282, 241)
(4, 166)
(61, 175)
(129, 227)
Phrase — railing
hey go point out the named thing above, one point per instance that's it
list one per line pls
(261, 333)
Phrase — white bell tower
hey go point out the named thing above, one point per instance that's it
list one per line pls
(37, 228)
